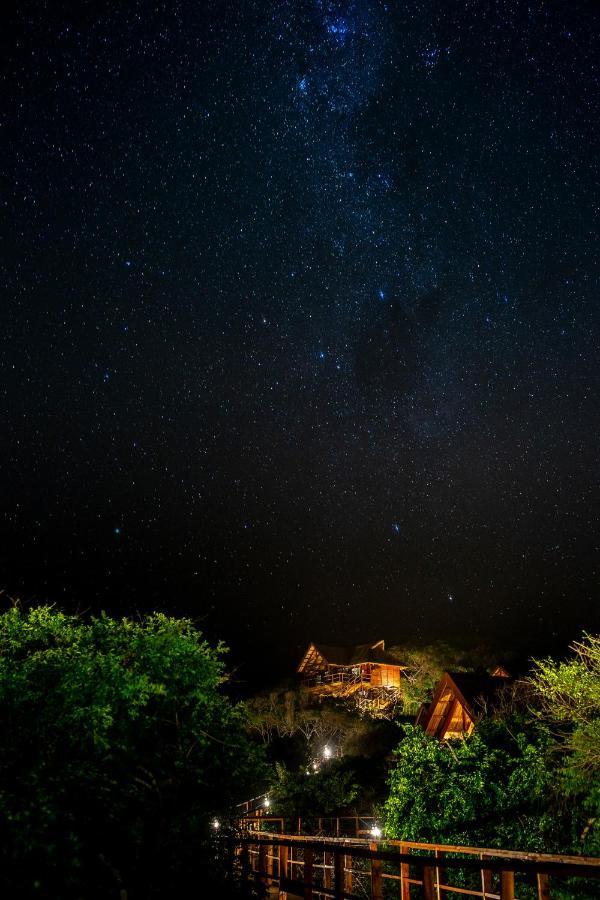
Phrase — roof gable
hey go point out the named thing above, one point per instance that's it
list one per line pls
(470, 689)
(351, 655)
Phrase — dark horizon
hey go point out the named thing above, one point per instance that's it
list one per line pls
(301, 319)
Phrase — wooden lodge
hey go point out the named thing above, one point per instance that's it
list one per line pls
(460, 699)
(365, 672)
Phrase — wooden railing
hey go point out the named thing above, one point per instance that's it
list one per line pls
(252, 806)
(317, 868)
(313, 826)
(336, 678)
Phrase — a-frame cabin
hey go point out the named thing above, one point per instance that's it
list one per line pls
(460, 699)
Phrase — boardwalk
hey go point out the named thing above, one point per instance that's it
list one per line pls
(289, 866)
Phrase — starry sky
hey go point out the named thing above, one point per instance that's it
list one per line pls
(300, 321)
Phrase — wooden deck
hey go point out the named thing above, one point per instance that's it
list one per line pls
(288, 866)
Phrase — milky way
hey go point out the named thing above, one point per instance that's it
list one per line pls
(300, 319)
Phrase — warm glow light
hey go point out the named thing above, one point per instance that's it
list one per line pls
(327, 752)
(267, 803)
(216, 824)
(376, 832)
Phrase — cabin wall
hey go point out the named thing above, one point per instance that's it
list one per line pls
(385, 676)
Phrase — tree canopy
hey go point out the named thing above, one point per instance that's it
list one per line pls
(118, 744)
(491, 789)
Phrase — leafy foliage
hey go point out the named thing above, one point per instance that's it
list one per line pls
(427, 664)
(569, 695)
(568, 698)
(490, 789)
(117, 744)
(305, 792)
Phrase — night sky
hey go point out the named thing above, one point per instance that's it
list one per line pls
(299, 331)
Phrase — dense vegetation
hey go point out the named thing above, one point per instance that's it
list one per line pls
(120, 744)
(528, 777)
(117, 745)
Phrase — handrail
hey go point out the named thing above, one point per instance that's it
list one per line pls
(326, 866)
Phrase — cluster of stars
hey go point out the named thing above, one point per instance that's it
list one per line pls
(305, 300)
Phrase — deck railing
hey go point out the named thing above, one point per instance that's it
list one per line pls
(343, 677)
(317, 868)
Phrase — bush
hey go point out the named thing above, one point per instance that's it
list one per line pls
(117, 745)
(491, 789)
(328, 791)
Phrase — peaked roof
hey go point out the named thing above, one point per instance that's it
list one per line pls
(472, 689)
(476, 687)
(354, 654)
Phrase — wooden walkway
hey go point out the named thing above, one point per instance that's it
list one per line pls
(290, 866)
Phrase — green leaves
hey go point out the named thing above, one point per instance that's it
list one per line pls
(117, 741)
(489, 789)
(568, 694)
(306, 792)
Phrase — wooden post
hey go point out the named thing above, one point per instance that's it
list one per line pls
(338, 880)
(428, 876)
(507, 885)
(262, 863)
(376, 876)
(347, 873)
(486, 882)
(543, 886)
(283, 868)
(245, 864)
(327, 876)
(404, 876)
(440, 876)
(308, 874)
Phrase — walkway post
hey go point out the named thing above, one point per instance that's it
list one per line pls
(338, 867)
(308, 873)
(507, 885)
(376, 876)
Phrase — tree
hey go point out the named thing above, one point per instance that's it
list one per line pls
(117, 745)
(288, 712)
(426, 665)
(567, 698)
(306, 792)
(492, 789)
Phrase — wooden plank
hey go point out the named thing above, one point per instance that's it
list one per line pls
(283, 868)
(507, 885)
(445, 723)
(543, 886)
(245, 866)
(262, 863)
(348, 874)
(376, 876)
(428, 883)
(486, 882)
(440, 875)
(338, 879)
(495, 852)
(308, 874)
(404, 876)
